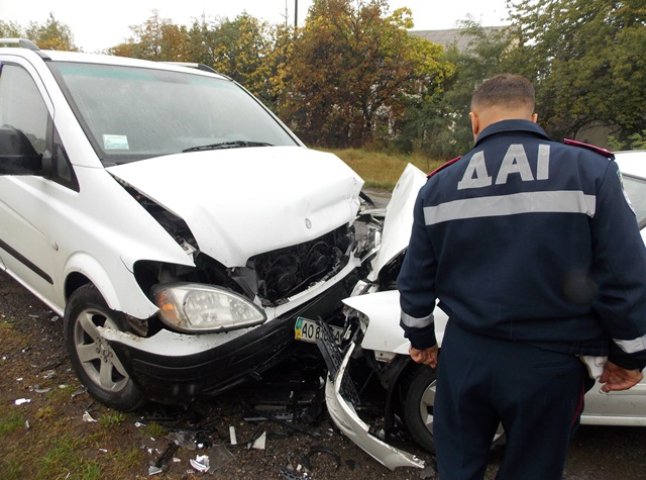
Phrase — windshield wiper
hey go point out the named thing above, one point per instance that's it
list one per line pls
(231, 144)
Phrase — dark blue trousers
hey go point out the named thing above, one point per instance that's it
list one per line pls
(536, 394)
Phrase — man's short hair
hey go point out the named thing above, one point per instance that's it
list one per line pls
(505, 90)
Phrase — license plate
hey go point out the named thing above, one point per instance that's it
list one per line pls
(306, 330)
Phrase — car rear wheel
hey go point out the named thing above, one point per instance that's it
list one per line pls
(94, 361)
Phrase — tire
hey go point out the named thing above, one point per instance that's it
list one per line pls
(417, 404)
(93, 360)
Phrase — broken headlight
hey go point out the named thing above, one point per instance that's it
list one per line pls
(191, 307)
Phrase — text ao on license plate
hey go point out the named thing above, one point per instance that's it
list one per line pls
(306, 330)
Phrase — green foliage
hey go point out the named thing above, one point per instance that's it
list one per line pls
(587, 59)
(440, 125)
(156, 39)
(10, 469)
(636, 141)
(10, 30)
(380, 169)
(353, 71)
(64, 459)
(52, 35)
(10, 422)
(353, 76)
(111, 419)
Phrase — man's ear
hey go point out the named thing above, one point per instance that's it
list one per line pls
(535, 117)
(475, 124)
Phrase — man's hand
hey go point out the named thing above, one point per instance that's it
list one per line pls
(428, 356)
(616, 378)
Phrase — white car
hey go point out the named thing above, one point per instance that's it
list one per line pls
(176, 224)
(374, 342)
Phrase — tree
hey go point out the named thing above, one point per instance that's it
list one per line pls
(440, 125)
(352, 70)
(588, 60)
(156, 39)
(239, 48)
(10, 30)
(52, 35)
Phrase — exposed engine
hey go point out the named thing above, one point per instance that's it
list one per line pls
(285, 272)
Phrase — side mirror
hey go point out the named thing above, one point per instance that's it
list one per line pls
(17, 155)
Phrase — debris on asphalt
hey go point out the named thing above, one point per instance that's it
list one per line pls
(200, 463)
(260, 442)
(164, 458)
(78, 392)
(22, 401)
(232, 435)
(88, 418)
(38, 389)
(183, 438)
(153, 470)
(291, 474)
(315, 450)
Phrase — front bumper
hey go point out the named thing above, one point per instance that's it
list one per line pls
(176, 368)
(345, 416)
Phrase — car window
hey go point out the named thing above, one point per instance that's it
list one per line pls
(134, 113)
(635, 189)
(22, 107)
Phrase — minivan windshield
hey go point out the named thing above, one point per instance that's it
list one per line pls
(132, 113)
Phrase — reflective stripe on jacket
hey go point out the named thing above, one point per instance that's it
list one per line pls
(530, 240)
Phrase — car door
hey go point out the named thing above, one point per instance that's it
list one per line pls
(33, 168)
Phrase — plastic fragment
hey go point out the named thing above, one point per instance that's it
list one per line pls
(153, 470)
(22, 401)
(183, 439)
(260, 442)
(200, 463)
(88, 418)
(77, 393)
(232, 435)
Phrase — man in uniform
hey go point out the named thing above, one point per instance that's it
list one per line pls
(535, 255)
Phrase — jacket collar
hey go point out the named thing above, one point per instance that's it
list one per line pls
(507, 126)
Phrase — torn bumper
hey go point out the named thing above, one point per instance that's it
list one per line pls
(347, 420)
(176, 368)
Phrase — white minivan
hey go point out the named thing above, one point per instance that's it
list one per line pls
(178, 226)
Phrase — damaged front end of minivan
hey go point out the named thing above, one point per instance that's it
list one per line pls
(253, 265)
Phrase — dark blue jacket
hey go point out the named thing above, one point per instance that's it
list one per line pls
(529, 240)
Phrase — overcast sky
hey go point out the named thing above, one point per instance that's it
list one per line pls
(99, 25)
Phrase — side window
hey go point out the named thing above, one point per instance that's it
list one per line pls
(23, 112)
(22, 108)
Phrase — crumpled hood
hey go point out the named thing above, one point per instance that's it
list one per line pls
(242, 202)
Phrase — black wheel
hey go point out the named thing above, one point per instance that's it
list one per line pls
(94, 361)
(417, 404)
